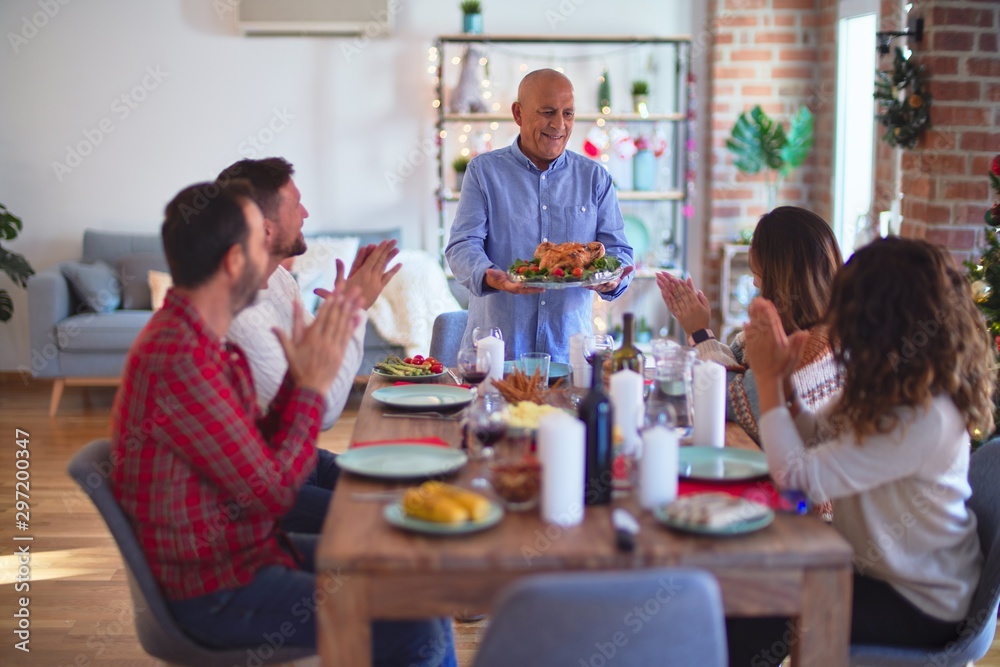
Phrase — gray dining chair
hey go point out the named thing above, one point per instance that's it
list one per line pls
(446, 336)
(158, 632)
(625, 619)
(976, 632)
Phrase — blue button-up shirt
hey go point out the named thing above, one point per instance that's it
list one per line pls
(509, 206)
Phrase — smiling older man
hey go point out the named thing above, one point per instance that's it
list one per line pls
(516, 197)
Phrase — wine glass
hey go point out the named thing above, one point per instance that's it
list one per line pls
(594, 344)
(478, 333)
(473, 365)
(486, 420)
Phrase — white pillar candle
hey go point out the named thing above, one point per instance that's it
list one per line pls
(495, 347)
(561, 451)
(658, 467)
(626, 400)
(709, 404)
(576, 354)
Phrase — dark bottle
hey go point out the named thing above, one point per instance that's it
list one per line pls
(595, 413)
(628, 355)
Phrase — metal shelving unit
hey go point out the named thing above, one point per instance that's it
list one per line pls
(672, 58)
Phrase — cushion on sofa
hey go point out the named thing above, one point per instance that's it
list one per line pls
(95, 284)
(159, 284)
(103, 332)
(133, 272)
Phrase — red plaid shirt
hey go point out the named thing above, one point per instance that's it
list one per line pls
(200, 473)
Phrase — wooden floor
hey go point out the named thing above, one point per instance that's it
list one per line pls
(80, 610)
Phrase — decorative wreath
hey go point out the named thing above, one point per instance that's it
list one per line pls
(904, 104)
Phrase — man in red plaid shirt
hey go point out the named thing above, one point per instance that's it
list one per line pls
(203, 476)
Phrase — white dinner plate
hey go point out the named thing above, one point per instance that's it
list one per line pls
(424, 397)
(395, 515)
(402, 461)
(721, 464)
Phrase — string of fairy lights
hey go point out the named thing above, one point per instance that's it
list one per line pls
(604, 136)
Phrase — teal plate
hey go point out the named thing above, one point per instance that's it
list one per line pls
(395, 515)
(424, 397)
(402, 461)
(721, 464)
(637, 234)
(557, 369)
(738, 528)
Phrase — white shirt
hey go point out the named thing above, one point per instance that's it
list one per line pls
(252, 331)
(898, 498)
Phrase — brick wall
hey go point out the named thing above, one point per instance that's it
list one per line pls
(944, 178)
(780, 54)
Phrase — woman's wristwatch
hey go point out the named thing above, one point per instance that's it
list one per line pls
(700, 336)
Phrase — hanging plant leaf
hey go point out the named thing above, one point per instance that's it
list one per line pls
(756, 141)
(15, 266)
(6, 306)
(800, 141)
(10, 224)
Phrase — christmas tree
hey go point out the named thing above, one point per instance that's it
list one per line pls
(985, 275)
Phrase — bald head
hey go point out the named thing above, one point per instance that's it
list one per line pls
(542, 79)
(544, 111)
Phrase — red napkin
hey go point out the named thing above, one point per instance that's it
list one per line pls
(403, 383)
(761, 491)
(436, 442)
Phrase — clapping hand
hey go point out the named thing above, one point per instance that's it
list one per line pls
(315, 352)
(689, 305)
(771, 353)
(368, 272)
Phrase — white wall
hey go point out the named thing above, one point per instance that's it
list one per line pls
(349, 115)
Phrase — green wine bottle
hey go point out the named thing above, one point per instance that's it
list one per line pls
(628, 355)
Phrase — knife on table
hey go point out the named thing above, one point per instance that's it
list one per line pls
(626, 528)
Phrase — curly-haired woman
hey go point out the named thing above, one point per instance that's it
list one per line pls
(793, 257)
(892, 450)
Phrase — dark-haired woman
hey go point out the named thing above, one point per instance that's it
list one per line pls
(892, 449)
(794, 257)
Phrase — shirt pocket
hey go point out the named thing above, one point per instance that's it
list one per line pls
(579, 223)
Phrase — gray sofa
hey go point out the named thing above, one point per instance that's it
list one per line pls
(78, 347)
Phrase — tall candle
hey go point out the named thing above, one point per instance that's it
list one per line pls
(495, 347)
(658, 468)
(709, 404)
(561, 453)
(626, 399)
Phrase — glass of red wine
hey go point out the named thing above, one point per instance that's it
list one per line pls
(473, 365)
(594, 344)
(486, 420)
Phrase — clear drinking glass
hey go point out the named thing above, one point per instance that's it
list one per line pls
(673, 384)
(532, 362)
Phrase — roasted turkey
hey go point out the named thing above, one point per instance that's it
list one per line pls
(568, 256)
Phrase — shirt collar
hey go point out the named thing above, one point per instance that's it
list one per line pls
(181, 307)
(524, 159)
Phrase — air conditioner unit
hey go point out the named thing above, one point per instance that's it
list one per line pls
(317, 17)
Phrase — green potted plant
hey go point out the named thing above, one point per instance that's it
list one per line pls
(460, 164)
(762, 144)
(12, 263)
(472, 16)
(640, 91)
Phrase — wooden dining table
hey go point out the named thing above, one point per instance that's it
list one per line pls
(368, 570)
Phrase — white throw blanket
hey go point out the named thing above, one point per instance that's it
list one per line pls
(404, 313)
